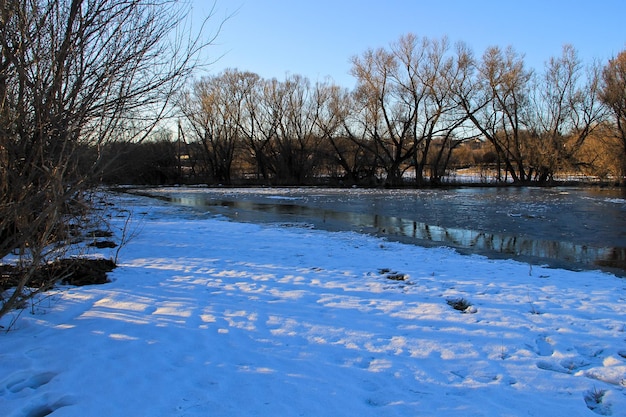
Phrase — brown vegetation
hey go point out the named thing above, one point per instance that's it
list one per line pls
(420, 111)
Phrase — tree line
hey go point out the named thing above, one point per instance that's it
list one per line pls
(421, 108)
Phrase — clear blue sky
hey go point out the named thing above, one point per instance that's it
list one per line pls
(317, 38)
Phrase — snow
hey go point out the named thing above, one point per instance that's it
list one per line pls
(209, 317)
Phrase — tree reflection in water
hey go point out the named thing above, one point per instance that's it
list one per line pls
(352, 213)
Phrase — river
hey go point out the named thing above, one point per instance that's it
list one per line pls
(574, 228)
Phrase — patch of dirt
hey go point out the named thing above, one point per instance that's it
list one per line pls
(104, 244)
(461, 304)
(393, 275)
(100, 233)
(77, 271)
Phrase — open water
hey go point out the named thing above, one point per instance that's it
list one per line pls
(574, 228)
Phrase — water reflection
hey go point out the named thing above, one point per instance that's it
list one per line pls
(553, 252)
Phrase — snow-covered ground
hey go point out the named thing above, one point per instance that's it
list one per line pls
(207, 317)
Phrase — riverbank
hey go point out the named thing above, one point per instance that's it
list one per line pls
(213, 317)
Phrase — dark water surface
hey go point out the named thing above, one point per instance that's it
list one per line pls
(575, 228)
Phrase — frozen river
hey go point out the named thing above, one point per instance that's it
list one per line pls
(564, 227)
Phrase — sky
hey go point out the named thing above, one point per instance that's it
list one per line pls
(317, 38)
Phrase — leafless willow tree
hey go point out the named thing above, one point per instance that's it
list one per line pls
(495, 97)
(235, 108)
(406, 105)
(276, 123)
(535, 122)
(74, 75)
(344, 147)
(613, 95)
(214, 109)
(428, 74)
(384, 115)
(564, 112)
(295, 155)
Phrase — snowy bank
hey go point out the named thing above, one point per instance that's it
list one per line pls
(207, 317)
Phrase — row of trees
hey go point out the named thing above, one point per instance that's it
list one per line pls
(416, 107)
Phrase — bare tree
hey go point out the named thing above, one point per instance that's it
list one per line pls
(407, 103)
(564, 113)
(613, 95)
(214, 109)
(298, 138)
(261, 123)
(495, 97)
(75, 74)
(386, 115)
(427, 78)
(279, 122)
(342, 145)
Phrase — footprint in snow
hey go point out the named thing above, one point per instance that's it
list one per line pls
(573, 364)
(41, 410)
(596, 402)
(566, 366)
(554, 367)
(22, 380)
(590, 351)
(544, 346)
